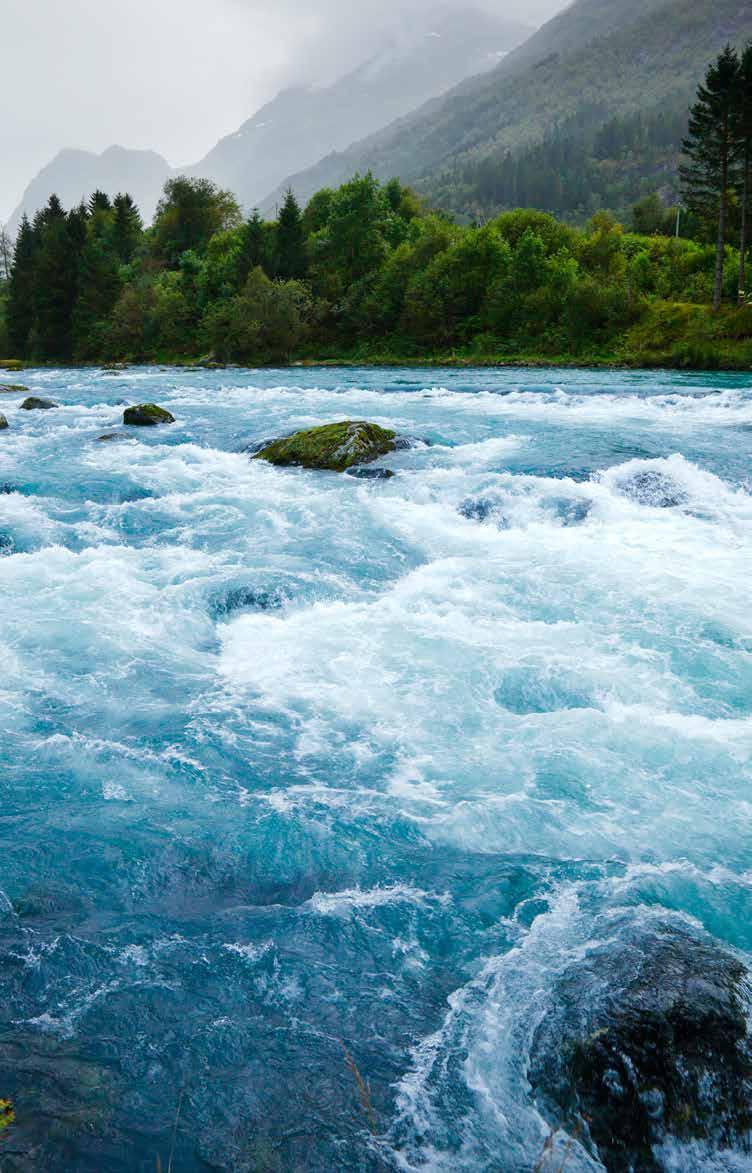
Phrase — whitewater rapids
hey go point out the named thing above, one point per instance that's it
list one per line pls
(313, 787)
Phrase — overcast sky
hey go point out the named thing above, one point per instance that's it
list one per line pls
(172, 75)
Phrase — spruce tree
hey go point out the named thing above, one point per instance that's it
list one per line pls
(743, 132)
(710, 151)
(127, 228)
(99, 202)
(290, 244)
(98, 286)
(60, 241)
(254, 251)
(21, 291)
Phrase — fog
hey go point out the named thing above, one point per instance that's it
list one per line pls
(175, 75)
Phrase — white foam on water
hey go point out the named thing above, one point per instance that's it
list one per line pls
(354, 899)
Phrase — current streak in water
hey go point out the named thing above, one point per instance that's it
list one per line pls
(313, 787)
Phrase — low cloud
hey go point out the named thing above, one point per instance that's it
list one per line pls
(176, 75)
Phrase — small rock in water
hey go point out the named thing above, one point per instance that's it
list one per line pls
(572, 512)
(246, 599)
(370, 474)
(35, 404)
(483, 509)
(112, 437)
(3, 422)
(147, 415)
(405, 443)
(333, 447)
(654, 488)
(13, 389)
(649, 1042)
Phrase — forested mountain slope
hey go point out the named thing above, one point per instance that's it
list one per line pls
(597, 61)
(405, 70)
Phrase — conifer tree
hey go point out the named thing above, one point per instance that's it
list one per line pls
(743, 131)
(127, 228)
(99, 201)
(98, 286)
(21, 293)
(254, 250)
(290, 244)
(710, 151)
(60, 239)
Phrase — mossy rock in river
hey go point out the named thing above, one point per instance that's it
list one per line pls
(147, 415)
(13, 389)
(11, 364)
(35, 404)
(3, 422)
(333, 447)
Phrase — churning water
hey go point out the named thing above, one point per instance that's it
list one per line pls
(314, 787)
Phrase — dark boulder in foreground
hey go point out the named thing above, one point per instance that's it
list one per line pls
(35, 404)
(333, 447)
(3, 422)
(147, 415)
(648, 1041)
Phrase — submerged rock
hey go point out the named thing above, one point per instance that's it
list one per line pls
(654, 488)
(370, 474)
(147, 415)
(247, 598)
(3, 422)
(406, 443)
(35, 404)
(334, 447)
(112, 437)
(651, 1043)
(13, 389)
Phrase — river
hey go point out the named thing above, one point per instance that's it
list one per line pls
(313, 787)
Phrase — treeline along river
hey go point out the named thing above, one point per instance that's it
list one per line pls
(336, 815)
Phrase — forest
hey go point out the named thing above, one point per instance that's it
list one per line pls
(370, 272)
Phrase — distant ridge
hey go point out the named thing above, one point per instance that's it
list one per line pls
(595, 60)
(74, 175)
(302, 123)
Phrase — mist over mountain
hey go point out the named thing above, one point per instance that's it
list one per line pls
(412, 63)
(596, 60)
(202, 71)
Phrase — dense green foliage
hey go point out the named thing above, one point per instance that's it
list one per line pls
(597, 62)
(365, 271)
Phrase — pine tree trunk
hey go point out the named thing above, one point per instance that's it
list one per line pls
(743, 235)
(721, 245)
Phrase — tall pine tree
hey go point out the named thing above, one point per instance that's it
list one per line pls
(743, 132)
(21, 291)
(60, 240)
(290, 243)
(254, 253)
(127, 228)
(710, 151)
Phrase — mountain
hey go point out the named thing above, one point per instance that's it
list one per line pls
(410, 64)
(302, 124)
(596, 62)
(74, 175)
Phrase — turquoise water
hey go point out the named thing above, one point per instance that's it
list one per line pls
(314, 787)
